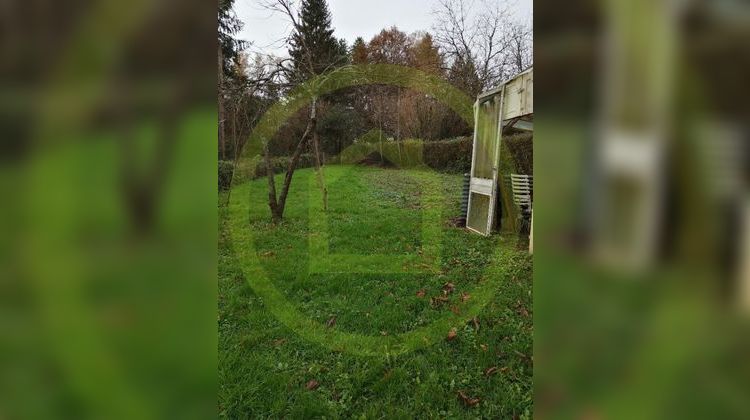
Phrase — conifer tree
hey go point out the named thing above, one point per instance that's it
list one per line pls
(312, 47)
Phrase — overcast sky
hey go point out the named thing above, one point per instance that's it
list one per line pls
(350, 19)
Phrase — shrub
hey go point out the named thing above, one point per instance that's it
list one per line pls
(453, 155)
(226, 169)
(521, 150)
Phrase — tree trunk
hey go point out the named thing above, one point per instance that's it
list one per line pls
(222, 140)
(277, 206)
(143, 189)
(272, 204)
(319, 169)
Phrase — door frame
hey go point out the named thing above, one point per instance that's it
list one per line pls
(485, 186)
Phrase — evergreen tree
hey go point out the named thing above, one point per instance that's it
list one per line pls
(342, 53)
(229, 46)
(313, 48)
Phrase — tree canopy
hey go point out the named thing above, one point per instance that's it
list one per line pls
(312, 46)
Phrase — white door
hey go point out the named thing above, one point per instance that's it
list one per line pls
(484, 163)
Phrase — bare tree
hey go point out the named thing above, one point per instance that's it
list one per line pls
(520, 47)
(481, 33)
(277, 204)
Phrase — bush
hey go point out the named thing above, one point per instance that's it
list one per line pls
(521, 150)
(226, 169)
(452, 155)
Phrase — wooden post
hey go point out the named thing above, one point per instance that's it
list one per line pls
(318, 163)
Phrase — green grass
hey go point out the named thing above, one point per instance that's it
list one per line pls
(264, 365)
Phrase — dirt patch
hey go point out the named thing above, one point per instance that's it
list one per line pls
(377, 160)
(457, 222)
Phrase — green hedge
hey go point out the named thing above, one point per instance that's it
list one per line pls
(521, 149)
(452, 155)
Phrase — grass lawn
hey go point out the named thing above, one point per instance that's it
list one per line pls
(269, 367)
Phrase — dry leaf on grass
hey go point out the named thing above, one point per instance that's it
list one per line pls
(279, 342)
(468, 401)
(268, 254)
(448, 288)
(420, 293)
(438, 301)
(455, 310)
(521, 309)
(483, 346)
(494, 370)
(475, 322)
(465, 296)
(312, 385)
(331, 322)
(451, 334)
(527, 359)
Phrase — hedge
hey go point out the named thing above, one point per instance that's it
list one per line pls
(452, 155)
(521, 150)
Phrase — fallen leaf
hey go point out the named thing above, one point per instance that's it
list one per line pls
(331, 322)
(438, 301)
(468, 401)
(483, 346)
(279, 342)
(475, 322)
(268, 254)
(448, 288)
(490, 371)
(455, 310)
(465, 296)
(312, 384)
(421, 293)
(451, 334)
(525, 358)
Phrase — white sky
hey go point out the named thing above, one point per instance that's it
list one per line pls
(350, 19)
